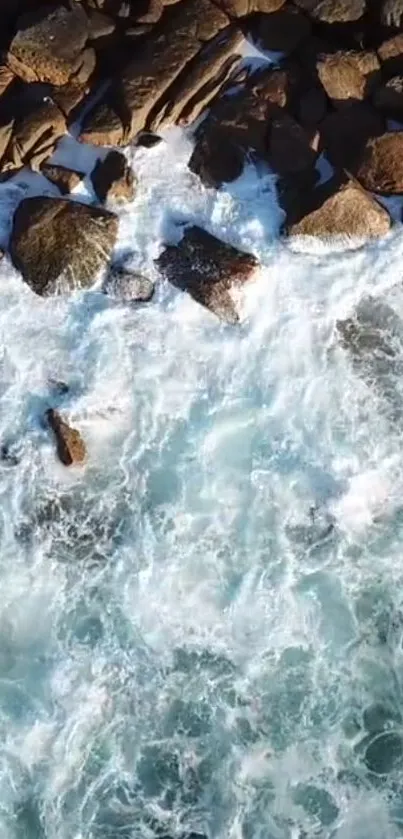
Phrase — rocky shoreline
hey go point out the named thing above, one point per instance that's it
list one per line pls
(125, 70)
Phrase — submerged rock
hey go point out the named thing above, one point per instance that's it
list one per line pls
(128, 286)
(58, 245)
(113, 178)
(69, 443)
(207, 269)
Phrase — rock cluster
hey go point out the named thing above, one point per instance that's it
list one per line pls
(337, 82)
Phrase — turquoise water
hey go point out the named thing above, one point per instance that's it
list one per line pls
(201, 632)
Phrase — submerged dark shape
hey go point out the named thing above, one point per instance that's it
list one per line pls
(207, 269)
(128, 286)
(373, 337)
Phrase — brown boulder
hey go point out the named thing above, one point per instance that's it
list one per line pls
(344, 133)
(112, 178)
(238, 124)
(35, 129)
(59, 245)
(102, 126)
(216, 158)
(390, 54)
(241, 8)
(49, 44)
(70, 446)
(348, 76)
(333, 11)
(342, 210)
(380, 168)
(185, 29)
(207, 269)
(282, 31)
(198, 85)
(65, 179)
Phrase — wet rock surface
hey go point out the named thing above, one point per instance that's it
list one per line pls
(342, 209)
(70, 446)
(207, 269)
(59, 245)
(113, 178)
(65, 179)
(128, 286)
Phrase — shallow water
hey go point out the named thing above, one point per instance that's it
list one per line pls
(202, 630)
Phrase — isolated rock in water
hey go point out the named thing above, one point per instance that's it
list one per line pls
(346, 210)
(348, 75)
(49, 44)
(380, 168)
(344, 133)
(333, 11)
(59, 245)
(69, 443)
(207, 269)
(113, 178)
(65, 179)
(128, 286)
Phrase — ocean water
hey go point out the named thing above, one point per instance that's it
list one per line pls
(201, 631)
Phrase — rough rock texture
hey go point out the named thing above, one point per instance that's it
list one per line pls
(113, 178)
(342, 210)
(345, 133)
(128, 286)
(183, 32)
(333, 11)
(29, 131)
(380, 168)
(197, 86)
(58, 245)
(282, 31)
(49, 44)
(207, 269)
(241, 8)
(65, 179)
(102, 126)
(70, 446)
(348, 76)
(390, 54)
(238, 124)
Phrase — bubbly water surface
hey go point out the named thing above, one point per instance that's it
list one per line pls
(202, 630)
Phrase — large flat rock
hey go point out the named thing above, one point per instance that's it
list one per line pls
(59, 245)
